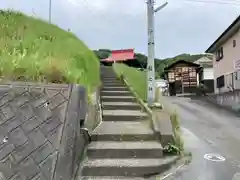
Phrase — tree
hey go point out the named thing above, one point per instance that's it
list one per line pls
(160, 64)
(102, 53)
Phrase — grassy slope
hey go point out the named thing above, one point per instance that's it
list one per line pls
(33, 50)
(135, 78)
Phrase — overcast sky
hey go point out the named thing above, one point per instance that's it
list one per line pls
(181, 27)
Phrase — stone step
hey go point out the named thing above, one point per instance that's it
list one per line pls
(124, 118)
(125, 149)
(109, 77)
(119, 91)
(126, 131)
(109, 80)
(115, 127)
(121, 106)
(115, 93)
(126, 167)
(112, 82)
(123, 146)
(109, 74)
(114, 88)
(108, 178)
(113, 85)
(124, 115)
(118, 99)
(123, 137)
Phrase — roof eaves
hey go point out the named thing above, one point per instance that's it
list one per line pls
(180, 60)
(209, 50)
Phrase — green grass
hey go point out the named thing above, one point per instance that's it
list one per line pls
(33, 50)
(176, 131)
(135, 78)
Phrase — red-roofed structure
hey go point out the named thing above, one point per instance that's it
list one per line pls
(120, 55)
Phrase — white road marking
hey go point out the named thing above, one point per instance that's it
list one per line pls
(214, 157)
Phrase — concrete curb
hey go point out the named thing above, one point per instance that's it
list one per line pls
(147, 109)
(171, 170)
(88, 132)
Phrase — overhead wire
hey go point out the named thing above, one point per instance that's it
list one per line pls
(229, 2)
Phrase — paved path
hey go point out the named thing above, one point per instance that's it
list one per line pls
(208, 130)
(124, 146)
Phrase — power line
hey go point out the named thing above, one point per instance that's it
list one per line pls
(227, 1)
(235, 3)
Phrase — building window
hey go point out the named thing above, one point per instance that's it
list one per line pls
(178, 69)
(171, 76)
(234, 43)
(192, 74)
(220, 81)
(185, 69)
(219, 54)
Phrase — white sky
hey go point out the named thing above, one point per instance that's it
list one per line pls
(181, 27)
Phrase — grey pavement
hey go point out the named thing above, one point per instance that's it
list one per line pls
(207, 129)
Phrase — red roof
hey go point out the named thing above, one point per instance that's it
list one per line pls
(120, 55)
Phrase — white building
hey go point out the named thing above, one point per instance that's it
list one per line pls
(207, 75)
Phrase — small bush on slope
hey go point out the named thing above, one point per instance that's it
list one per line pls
(33, 50)
(135, 78)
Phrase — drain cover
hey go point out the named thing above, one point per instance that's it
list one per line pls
(214, 157)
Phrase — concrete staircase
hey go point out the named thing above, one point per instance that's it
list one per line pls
(123, 146)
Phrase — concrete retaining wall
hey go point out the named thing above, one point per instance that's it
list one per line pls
(40, 136)
(229, 101)
(94, 112)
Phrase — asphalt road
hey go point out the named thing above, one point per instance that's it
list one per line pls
(207, 129)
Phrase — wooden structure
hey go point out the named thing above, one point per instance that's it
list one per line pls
(126, 56)
(182, 77)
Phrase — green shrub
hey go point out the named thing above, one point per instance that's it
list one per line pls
(176, 131)
(33, 50)
(135, 78)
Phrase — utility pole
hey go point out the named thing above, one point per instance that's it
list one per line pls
(50, 12)
(151, 51)
(151, 54)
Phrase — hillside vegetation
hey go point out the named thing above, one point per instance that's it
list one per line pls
(160, 64)
(33, 50)
(135, 78)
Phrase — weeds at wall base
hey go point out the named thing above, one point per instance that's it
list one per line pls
(176, 148)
